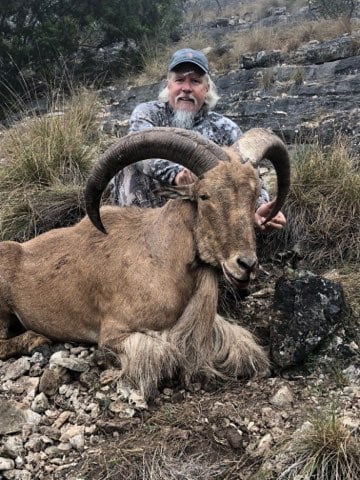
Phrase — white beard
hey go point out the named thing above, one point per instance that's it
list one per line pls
(183, 119)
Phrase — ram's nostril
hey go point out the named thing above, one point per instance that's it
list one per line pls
(248, 264)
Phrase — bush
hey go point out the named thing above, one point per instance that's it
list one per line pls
(39, 37)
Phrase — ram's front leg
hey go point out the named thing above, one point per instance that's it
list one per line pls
(23, 344)
(11, 344)
(236, 352)
(146, 358)
(192, 334)
(14, 346)
(212, 345)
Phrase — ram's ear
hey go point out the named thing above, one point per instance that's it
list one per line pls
(183, 192)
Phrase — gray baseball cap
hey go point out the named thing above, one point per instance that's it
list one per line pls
(188, 55)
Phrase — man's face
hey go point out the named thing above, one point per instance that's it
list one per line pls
(187, 88)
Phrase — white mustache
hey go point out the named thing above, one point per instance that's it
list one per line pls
(190, 97)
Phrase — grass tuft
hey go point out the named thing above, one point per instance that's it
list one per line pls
(46, 149)
(26, 213)
(45, 160)
(323, 208)
(325, 450)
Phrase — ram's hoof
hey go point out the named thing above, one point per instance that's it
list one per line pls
(131, 395)
(34, 341)
(23, 344)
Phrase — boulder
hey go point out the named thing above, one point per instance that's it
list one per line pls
(309, 308)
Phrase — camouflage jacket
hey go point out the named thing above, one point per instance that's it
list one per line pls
(135, 184)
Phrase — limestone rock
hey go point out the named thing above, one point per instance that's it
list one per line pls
(6, 464)
(16, 369)
(40, 403)
(282, 397)
(13, 417)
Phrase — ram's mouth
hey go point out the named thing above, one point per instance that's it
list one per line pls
(236, 282)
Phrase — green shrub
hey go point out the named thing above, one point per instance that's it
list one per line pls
(41, 36)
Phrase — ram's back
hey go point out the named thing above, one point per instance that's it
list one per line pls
(67, 281)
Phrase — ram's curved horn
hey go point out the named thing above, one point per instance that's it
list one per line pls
(185, 147)
(257, 144)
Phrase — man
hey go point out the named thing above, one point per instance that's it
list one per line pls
(186, 102)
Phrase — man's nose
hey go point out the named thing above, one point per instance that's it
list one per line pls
(186, 87)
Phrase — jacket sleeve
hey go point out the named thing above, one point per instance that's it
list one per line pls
(264, 196)
(146, 116)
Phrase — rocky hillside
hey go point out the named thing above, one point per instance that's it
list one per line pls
(310, 92)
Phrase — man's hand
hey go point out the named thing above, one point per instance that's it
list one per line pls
(261, 213)
(185, 177)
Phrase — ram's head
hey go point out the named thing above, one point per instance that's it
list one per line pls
(224, 195)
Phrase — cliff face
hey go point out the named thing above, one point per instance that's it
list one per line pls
(312, 92)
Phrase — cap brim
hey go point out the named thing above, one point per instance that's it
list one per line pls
(176, 64)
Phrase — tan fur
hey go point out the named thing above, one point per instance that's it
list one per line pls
(148, 289)
(200, 342)
(235, 352)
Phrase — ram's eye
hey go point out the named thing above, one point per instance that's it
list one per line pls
(204, 197)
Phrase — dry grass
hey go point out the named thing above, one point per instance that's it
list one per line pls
(26, 213)
(267, 79)
(350, 281)
(288, 38)
(298, 76)
(45, 162)
(258, 9)
(161, 448)
(261, 8)
(325, 201)
(173, 443)
(325, 450)
(136, 464)
(323, 208)
(46, 149)
(155, 61)
(284, 38)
